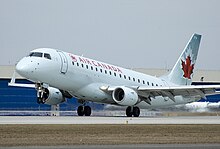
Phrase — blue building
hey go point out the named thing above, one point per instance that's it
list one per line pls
(19, 98)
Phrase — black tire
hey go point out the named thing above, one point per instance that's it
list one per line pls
(136, 112)
(129, 112)
(38, 100)
(87, 111)
(80, 111)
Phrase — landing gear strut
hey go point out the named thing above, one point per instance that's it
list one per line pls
(42, 93)
(132, 111)
(84, 110)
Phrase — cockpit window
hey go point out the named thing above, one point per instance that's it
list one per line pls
(39, 54)
(36, 54)
(46, 55)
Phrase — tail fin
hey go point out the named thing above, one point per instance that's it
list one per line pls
(182, 71)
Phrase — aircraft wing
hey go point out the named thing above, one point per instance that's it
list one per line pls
(22, 85)
(13, 83)
(171, 91)
(187, 91)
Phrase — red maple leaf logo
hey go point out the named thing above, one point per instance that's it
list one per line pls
(187, 67)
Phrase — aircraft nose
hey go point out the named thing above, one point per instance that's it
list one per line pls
(23, 68)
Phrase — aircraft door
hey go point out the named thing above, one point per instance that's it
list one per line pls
(64, 63)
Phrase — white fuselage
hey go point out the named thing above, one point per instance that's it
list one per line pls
(83, 77)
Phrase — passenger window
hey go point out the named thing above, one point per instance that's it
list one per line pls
(47, 56)
(96, 69)
(87, 66)
(100, 70)
(73, 63)
(138, 80)
(82, 65)
(133, 79)
(152, 84)
(77, 64)
(115, 74)
(105, 71)
(120, 75)
(91, 68)
(110, 72)
(125, 76)
(129, 78)
(36, 54)
(143, 82)
(148, 83)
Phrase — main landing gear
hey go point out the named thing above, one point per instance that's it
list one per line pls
(132, 111)
(84, 110)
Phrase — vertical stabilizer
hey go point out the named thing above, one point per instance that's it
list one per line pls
(182, 72)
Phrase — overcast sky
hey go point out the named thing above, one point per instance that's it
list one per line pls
(128, 33)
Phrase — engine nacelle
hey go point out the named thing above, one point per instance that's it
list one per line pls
(51, 96)
(125, 96)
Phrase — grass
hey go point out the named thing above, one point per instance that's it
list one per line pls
(47, 135)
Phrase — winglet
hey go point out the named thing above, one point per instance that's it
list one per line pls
(13, 78)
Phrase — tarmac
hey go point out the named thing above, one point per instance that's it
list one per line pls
(108, 120)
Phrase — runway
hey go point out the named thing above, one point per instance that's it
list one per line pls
(108, 120)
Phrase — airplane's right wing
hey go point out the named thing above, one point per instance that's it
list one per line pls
(22, 85)
(13, 83)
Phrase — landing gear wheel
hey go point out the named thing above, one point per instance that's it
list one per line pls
(87, 110)
(80, 111)
(136, 112)
(129, 111)
(84, 110)
(132, 111)
(38, 101)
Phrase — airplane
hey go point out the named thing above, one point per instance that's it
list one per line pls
(58, 75)
(202, 106)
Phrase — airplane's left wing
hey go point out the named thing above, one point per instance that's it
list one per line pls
(185, 91)
(145, 92)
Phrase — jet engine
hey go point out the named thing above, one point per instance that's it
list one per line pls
(50, 96)
(125, 96)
